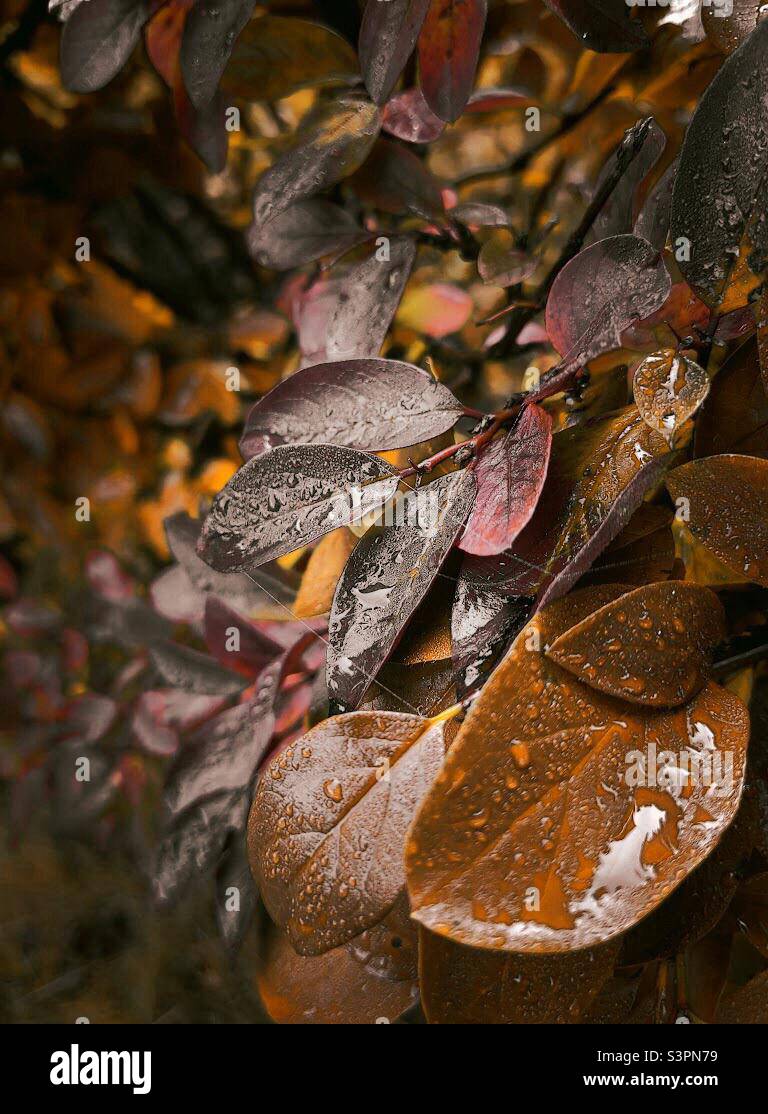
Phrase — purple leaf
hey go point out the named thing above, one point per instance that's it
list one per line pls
(618, 214)
(386, 578)
(97, 40)
(210, 32)
(205, 130)
(396, 181)
(234, 879)
(653, 220)
(720, 193)
(255, 647)
(362, 404)
(333, 142)
(237, 589)
(484, 620)
(388, 34)
(160, 714)
(289, 498)
(367, 302)
(303, 233)
(622, 271)
(407, 116)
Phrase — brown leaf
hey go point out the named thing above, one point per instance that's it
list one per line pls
(470, 986)
(552, 826)
(644, 552)
(371, 979)
(746, 1006)
(329, 818)
(668, 389)
(598, 474)
(734, 419)
(651, 646)
(727, 499)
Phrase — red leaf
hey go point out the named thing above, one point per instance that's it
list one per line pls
(510, 477)
(409, 117)
(449, 46)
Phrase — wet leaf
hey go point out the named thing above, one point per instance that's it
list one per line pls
(303, 233)
(643, 553)
(618, 214)
(542, 832)
(485, 619)
(328, 823)
(407, 116)
(371, 979)
(449, 48)
(734, 418)
(602, 25)
(275, 56)
(727, 499)
(362, 404)
(652, 646)
(332, 143)
(208, 790)
(388, 34)
(386, 578)
(237, 589)
(289, 498)
(718, 204)
(668, 389)
(624, 272)
(367, 302)
(598, 474)
(468, 986)
(653, 220)
(97, 40)
(727, 28)
(194, 844)
(510, 477)
(209, 36)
